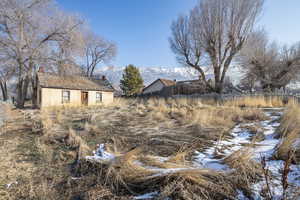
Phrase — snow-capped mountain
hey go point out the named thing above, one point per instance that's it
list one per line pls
(150, 74)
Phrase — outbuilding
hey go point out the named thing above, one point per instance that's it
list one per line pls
(157, 86)
(56, 90)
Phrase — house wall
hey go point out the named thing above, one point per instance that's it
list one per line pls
(157, 86)
(53, 97)
(107, 98)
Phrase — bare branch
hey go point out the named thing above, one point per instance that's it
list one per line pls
(217, 30)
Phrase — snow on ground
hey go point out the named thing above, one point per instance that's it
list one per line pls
(101, 155)
(207, 158)
(239, 137)
(150, 195)
(265, 148)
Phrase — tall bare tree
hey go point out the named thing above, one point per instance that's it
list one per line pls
(63, 58)
(96, 51)
(6, 73)
(213, 34)
(26, 27)
(274, 67)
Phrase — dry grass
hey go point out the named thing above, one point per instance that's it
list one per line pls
(135, 172)
(140, 131)
(193, 111)
(75, 141)
(247, 171)
(259, 101)
(290, 133)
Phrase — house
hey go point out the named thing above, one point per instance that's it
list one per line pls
(157, 86)
(55, 90)
(167, 88)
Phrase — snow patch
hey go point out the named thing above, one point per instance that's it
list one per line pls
(223, 148)
(101, 155)
(150, 195)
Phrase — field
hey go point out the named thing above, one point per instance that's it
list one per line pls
(153, 149)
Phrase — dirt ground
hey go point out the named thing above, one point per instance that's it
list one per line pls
(16, 148)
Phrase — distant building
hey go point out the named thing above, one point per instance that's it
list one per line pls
(189, 87)
(158, 85)
(167, 88)
(55, 90)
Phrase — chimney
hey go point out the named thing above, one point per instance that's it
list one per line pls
(41, 69)
(103, 78)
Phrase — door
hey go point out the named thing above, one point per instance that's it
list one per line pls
(84, 98)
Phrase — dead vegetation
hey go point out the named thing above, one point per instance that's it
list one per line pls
(247, 171)
(156, 127)
(289, 131)
(137, 173)
(260, 101)
(138, 133)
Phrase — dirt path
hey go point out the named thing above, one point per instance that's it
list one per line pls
(2, 115)
(15, 146)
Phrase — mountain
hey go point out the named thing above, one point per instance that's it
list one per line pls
(149, 74)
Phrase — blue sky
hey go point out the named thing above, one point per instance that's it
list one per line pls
(141, 28)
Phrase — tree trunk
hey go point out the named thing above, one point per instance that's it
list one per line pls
(4, 91)
(34, 93)
(19, 99)
(22, 88)
(219, 87)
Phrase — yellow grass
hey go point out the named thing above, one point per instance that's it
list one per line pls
(126, 172)
(256, 101)
(193, 111)
(290, 132)
(132, 171)
(242, 161)
(75, 141)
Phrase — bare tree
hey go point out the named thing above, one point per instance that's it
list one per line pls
(186, 46)
(6, 73)
(213, 34)
(273, 66)
(26, 27)
(63, 58)
(289, 66)
(96, 50)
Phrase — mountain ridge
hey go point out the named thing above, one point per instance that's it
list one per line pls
(150, 74)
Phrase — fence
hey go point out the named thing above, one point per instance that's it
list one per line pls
(226, 97)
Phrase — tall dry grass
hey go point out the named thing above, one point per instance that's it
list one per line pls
(136, 172)
(192, 111)
(75, 141)
(289, 131)
(124, 175)
(246, 170)
(259, 101)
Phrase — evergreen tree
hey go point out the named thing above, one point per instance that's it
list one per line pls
(132, 81)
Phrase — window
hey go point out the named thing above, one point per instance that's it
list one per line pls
(98, 97)
(65, 96)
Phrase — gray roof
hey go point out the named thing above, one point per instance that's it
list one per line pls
(49, 80)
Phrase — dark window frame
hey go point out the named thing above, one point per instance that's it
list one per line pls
(99, 98)
(66, 98)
